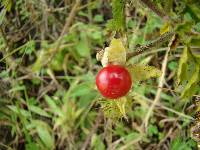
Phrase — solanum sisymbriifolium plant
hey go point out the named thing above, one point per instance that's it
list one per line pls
(115, 80)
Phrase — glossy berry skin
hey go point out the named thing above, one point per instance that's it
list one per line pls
(113, 81)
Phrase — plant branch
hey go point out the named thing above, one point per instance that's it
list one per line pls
(65, 29)
(154, 8)
(93, 130)
(163, 38)
(161, 83)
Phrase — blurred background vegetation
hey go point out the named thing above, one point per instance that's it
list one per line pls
(48, 98)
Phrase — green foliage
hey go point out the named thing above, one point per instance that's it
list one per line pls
(53, 106)
(181, 144)
(97, 143)
(118, 11)
(7, 4)
(188, 74)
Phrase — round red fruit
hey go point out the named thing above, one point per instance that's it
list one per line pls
(113, 81)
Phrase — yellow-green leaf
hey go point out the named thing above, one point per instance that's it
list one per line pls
(115, 53)
(181, 74)
(192, 84)
(117, 108)
(141, 72)
(165, 28)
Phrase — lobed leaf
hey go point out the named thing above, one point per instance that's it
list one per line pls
(141, 72)
(116, 108)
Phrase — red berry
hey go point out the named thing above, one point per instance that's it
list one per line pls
(113, 81)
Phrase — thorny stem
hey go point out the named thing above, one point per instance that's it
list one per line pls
(163, 38)
(154, 8)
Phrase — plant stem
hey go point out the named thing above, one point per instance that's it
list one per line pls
(159, 41)
(161, 83)
(154, 8)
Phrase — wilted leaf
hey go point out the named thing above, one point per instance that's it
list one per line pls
(115, 53)
(141, 72)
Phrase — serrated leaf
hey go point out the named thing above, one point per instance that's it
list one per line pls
(115, 53)
(141, 72)
(116, 108)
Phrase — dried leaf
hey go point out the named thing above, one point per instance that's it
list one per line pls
(141, 72)
(115, 53)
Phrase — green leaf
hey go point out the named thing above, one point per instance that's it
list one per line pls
(141, 72)
(191, 86)
(118, 21)
(32, 146)
(39, 111)
(181, 74)
(19, 111)
(45, 133)
(82, 46)
(183, 28)
(54, 108)
(194, 11)
(97, 143)
(152, 130)
(98, 18)
(7, 4)
(181, 144)
(188, 74)
(2, 15)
